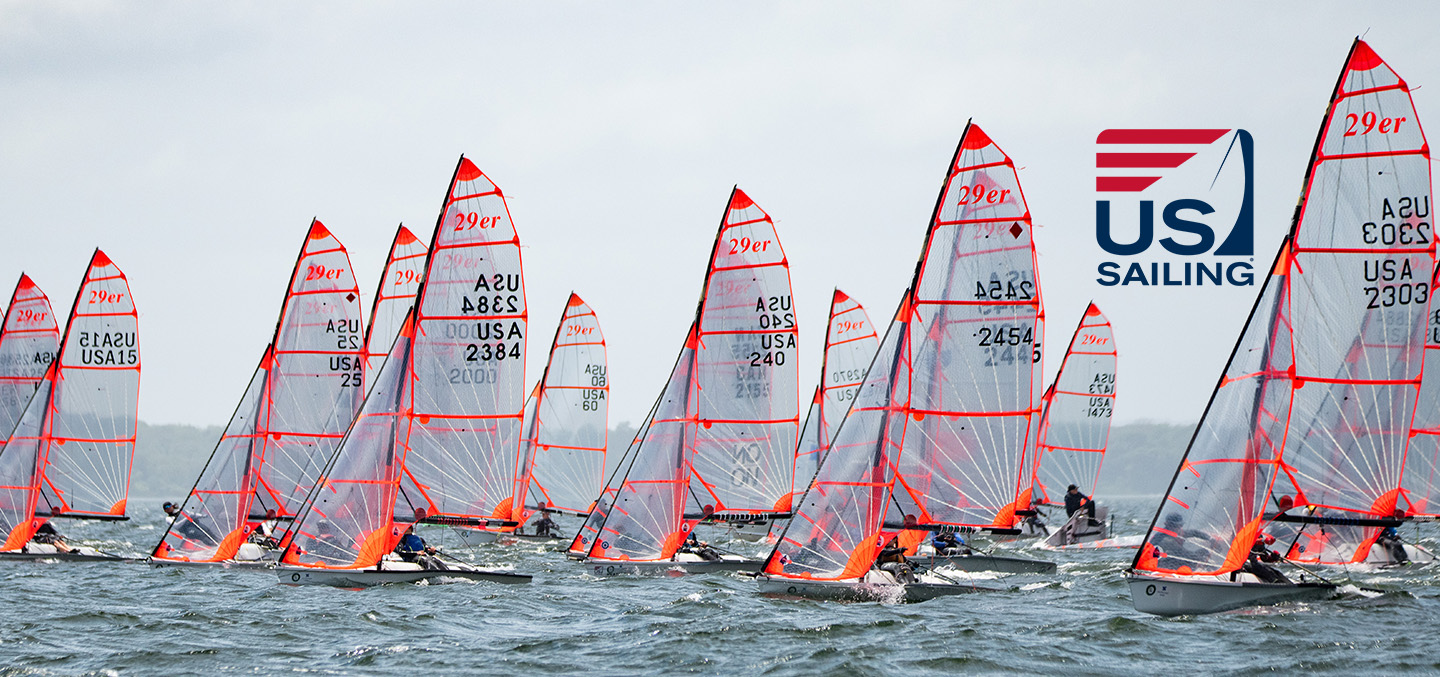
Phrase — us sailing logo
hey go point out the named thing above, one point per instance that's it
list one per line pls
(1202, 184)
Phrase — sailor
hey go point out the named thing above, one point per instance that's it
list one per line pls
(545, 526)
(1394, 547)
(1074, 500)
(892, 559)
(948, 544)
(1260, 557)
(326, 544)
(172, 511)
(412, 548)
(696, 546)
(47, 535)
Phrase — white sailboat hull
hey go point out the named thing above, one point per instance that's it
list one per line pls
(877, 586)
(683, 563)
(393, 573)
(1166, 596)
(474, 537)
(983, 562)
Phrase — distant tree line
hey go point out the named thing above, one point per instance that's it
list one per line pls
(168, 458)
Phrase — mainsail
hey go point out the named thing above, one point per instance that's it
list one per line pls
(565, 443)
(396, 294)
(70, 455)
(439, 434)
(291, 417)
(29, 341)
(1075, 420)
(1310, 420)
(941, 422)
(721, 437)
(850, 343)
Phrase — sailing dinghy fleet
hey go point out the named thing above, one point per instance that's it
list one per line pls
(926, 448)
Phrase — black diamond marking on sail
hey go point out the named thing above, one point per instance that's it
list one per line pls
(349, 297)
(1016, 230)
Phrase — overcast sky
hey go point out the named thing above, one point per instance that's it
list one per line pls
(193, 142)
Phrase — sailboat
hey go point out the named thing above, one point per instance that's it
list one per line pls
(718, 444)
(935, 438)
(1075, 430)
(289, 421)
(562, 453)
(850, 343)
(437, 439)
(394, 297)
(29, 342)
(1310, 421)
(69, 455)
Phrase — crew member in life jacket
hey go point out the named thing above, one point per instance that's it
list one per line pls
(412, 548)
(1394, 547)
(892, 559)
(1260, 557)
(696, 546)
(47, 535)
(1074, 501)
(949, 545)
(545, 526)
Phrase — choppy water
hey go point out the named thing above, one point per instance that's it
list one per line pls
(131, 619)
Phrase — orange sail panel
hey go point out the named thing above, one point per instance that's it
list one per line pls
(29, 342)
(1075, 423)
(850, 343)
(567, 439)
(396, 294)
(291, 416)
(950, 398)
(1312, 415)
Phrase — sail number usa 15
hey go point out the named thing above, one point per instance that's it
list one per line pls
(108, 349)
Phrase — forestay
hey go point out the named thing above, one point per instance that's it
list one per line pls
(567, 439)
(1313, 412)
(1075, 422)
(850, 343)
(292, 415)
(29, 341)
(396, 294)
(949, 398)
